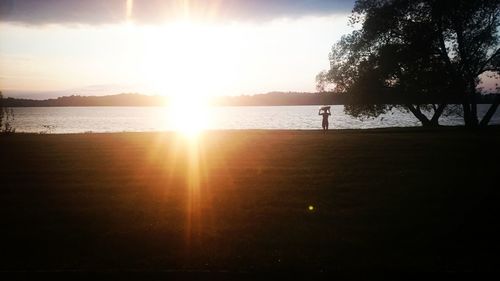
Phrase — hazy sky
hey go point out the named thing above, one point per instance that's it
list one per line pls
(219, 47)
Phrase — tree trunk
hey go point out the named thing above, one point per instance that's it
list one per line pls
(473, 104)
(470, 113)
(473, 112)
(437, 113)
(467, 114)
(423, 119)
(487, 117)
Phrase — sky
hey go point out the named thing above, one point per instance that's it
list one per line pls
(216, 47)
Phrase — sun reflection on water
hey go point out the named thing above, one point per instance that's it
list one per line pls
(189, 115)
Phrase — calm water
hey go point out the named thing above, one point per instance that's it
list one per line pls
(139, 119)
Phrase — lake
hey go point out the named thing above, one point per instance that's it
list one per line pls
(141, 119)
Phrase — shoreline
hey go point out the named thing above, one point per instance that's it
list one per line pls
(444, 128)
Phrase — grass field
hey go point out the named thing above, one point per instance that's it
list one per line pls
(252, 201)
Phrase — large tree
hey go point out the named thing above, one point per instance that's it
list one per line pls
(417, 54)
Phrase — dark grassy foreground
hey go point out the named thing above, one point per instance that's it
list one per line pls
(408, 200)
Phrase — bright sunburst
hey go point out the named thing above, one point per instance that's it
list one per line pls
(189, 114)
(188, 57)
(188, 62)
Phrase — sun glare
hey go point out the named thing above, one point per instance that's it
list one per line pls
(187, 57)
(189, 114)
(188, 62)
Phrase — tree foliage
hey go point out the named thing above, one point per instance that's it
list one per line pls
(419, 51)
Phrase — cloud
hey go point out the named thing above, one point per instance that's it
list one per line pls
(36, 12)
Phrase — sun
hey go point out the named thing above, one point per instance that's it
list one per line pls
(189, 114)
(189, 62)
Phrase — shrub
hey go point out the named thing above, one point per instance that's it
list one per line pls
(6, 118)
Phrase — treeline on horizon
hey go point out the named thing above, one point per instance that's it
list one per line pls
(268, 99)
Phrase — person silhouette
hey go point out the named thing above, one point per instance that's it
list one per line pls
(325, 112)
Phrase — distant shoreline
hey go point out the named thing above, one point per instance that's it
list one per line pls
(268, 99)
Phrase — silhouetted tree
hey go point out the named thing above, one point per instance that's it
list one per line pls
(419, 53)
(6, 116)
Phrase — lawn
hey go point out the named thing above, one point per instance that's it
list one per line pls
(413, 200)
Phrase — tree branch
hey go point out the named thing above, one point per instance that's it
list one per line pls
(489, 69)
(444, 52)
(491, 111)
(483, 68)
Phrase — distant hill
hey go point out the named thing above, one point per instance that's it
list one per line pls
(268, 99)
(75, 100)
(277, 98)
(133, 99)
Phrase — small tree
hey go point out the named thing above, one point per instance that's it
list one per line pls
(6, 117)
